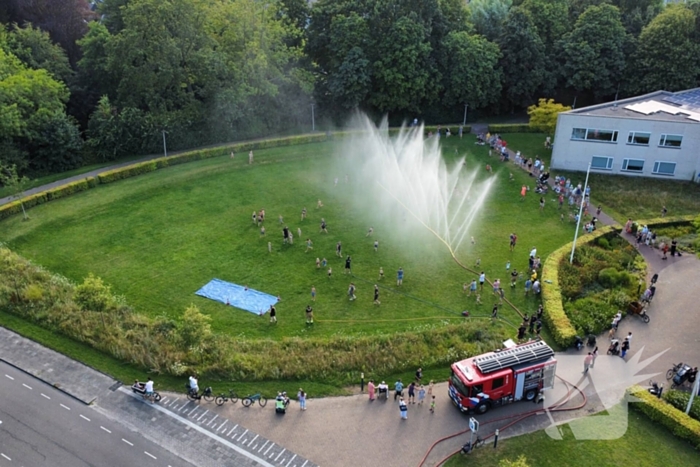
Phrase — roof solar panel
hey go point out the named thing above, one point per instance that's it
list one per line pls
(507, 358)
(690, 98)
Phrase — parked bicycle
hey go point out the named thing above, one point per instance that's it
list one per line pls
(193, 395)
(469, 447)
(223, 397)
(248, 401)
(672, 372)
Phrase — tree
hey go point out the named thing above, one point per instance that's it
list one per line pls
(638, 13)
(522, 58)
(16, 184)
(550, 17)
(593, 54)
(577, 7)
(543, 116)
(35, 49)
(195, 327)
(471, 72)
(667, 56)
(488, 16)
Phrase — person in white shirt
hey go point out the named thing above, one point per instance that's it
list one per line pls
(194, 385)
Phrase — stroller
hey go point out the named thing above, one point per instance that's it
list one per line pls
(614, 348)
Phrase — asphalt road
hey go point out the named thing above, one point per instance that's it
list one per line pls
(41, 426)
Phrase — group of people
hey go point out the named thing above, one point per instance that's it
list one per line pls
(415, 388)
(531, 324)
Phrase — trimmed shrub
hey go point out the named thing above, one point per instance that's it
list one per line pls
(679, 399)
(512, 128)
(127, 172)
(680, 424)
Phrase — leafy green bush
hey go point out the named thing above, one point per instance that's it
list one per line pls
(603, 243)
(680, 424)
(513, 128)
(127, 172)
(679, 399)
(590, 315)
(612, 278)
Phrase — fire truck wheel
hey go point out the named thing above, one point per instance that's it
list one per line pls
(530, 395)
(482, 408)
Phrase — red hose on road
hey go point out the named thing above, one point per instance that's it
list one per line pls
(521, 417)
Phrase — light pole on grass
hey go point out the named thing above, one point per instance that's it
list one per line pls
(313, 119)
(165, 146)
(465, 114)
(580, 214)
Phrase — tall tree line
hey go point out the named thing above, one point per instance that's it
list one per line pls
(84, 82)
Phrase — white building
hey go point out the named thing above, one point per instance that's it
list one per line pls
(655, 135)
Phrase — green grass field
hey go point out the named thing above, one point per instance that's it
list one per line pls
(644, 444)
(158, 238)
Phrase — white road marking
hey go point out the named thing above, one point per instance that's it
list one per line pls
(265, 453)
(242, 435)
(67, 408)
(263, 446)
(128, 442)
(204, 431)
(215, 417)
(10, 377)
(205, 412)
(302, 465)
(192, 411)
(251, 441)
(105, 429)
(278, 455)
(221, 426)
(290, 460)
(28, 387)
(84, 417)
(3, 455)
(180, 409)
(44, 395)
(150, 455)
(229, 433)
(162, 401)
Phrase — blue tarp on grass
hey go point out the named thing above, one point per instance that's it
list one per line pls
(236, 295)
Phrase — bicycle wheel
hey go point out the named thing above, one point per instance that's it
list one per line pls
(220, 400)
(670, 373)
(262, 401)
(191, 396)
(246, 402)
(233, 397)
(208, 397)
(156, 397)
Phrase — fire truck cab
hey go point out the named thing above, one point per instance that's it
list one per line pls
(498, 378)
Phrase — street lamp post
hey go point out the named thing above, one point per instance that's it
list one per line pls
(313, 119)
(465, 114)
(165, 147)
(580, 214)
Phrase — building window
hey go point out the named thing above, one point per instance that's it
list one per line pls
(671, 141)
(638, 137)
(588, 134)
(664, 168)
(601, 163)
(633, 165)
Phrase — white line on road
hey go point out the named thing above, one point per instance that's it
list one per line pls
(265, 453)
(180, 409)
(278, 455)
(205, 412)
(10, 377)
(242, 435)
(229, 433)
(263, 446)
(28, 387)
(215, 417)
(204, 431)
(3, 455)
(302, 465)
(150, 455)
(192, 411)
(162, 401)
(251, 441)
(105, 429)
(67, 408)
(84, 417)
(290, 460)
(44, 395)
(221, 427)
(128, 442)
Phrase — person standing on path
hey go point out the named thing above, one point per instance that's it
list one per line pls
(399, 277)
(403, 408)
(412, 393)
(431, 385)
(595, 355)
(370, 390)
(625, 347)
(398, 390)
(587, 362)
(421, 394)
(301, 395)
(674, 246)
(432, 405)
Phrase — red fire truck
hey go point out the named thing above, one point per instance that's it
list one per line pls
(501, 377)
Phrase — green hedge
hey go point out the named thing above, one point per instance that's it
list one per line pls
(667, 221)
(14, 207)
(513, 128)
(554, 314)
(680, 424)
(127, 172)
(679, 399)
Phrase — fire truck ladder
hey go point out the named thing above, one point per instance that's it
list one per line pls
(507, 358)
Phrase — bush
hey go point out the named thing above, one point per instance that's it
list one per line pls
(591, 315)
(612, 278)
(127, 172)
(679, 399)
(680, 424)
(603, 243)
(513, 128)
